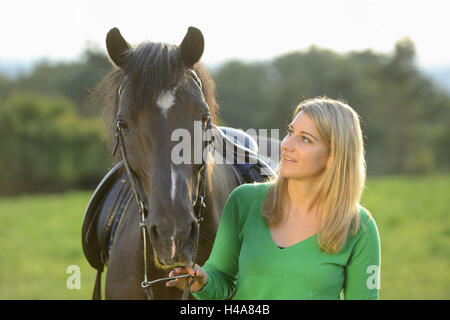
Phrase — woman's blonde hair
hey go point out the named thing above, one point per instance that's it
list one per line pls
(340, 187)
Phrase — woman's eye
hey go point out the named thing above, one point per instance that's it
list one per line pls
(302, 138)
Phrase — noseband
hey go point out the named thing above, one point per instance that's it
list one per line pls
(139, 195)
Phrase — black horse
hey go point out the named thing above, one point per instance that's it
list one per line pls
(154, 90)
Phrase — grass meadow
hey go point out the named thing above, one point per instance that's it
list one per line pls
(40, 238)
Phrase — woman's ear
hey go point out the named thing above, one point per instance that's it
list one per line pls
(117, 47)
(328, 162)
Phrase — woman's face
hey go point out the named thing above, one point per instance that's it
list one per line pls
(303, 153)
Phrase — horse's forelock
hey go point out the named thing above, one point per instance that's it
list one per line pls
(152, 68)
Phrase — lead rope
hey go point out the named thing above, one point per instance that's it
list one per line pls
(190, 280)
(146, 286)
(206, 124)
(119, 141)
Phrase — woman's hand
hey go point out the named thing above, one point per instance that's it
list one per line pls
(200, 280)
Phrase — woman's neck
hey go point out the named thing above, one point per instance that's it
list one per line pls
(301, 194)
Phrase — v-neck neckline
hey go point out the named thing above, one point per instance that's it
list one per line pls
(273, 244)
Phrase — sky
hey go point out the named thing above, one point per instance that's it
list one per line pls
(246, 30)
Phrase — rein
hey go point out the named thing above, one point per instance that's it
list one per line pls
(143, 212)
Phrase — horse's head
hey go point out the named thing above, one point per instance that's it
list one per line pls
(158, 99)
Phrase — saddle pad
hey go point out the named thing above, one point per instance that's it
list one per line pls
(103, 208)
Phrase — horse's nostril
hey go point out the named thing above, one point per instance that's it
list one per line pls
(153, 233)
(192, 234)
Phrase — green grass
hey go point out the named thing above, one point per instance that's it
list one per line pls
(412, 215)
(40, 238)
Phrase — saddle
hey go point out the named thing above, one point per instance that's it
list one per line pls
(114, 194)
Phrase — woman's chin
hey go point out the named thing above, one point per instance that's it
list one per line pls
(287, 172)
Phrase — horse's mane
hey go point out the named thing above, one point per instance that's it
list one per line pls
(150, 69)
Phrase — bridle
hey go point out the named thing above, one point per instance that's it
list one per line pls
(139, 196)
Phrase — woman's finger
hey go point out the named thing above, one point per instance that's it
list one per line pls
(194, 271)
(190, 270)
(179, 283)
(171, 283)
(176, 272)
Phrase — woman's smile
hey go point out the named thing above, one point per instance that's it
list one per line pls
(285, 158)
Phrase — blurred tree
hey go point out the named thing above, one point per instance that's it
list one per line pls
(70, 79)
(242, 93)
(47, 147)
(52, 133)
(398, 105)
(5, 86)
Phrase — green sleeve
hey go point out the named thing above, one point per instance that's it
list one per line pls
(222, 264)
(362, 273)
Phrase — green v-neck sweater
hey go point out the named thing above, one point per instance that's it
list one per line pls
(246, 262)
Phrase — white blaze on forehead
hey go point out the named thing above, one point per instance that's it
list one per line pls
(173, 186)
(166, 100)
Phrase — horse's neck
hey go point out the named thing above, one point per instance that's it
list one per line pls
(221, 180)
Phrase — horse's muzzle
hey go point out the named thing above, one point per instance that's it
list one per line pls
(175, 250)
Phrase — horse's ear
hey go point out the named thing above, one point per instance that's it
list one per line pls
(191, 48)
(117, 47)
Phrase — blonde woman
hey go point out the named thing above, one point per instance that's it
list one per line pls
(305, 235)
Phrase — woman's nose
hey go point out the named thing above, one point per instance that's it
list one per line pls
(286, 145)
